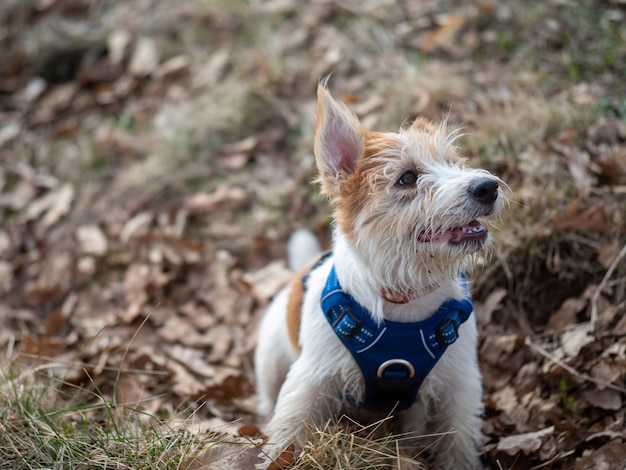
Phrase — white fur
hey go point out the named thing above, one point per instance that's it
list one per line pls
(306, 388)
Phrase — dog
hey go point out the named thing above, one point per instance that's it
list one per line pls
(408, 224)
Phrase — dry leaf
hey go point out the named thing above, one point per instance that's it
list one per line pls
(505, 399)
(484, 310)
(495, 347)
(249, 430)
(117, 45)
(8, 132)
(609, 369)
(225, 194)
(138, 225)
(526, 443)
(607, 253)
(220, 337)
(131, 391)
(607, 399)
(136, 280)
(172, 68)
(226, 384)
(608, 457)
(445, 35)
(179, 330)
(567, 313)
(572, 341)
(579, 217)
(18, 198)
(267, 281)
(227, 454)
(51, 207)
(284, 460)
(145, 57)
(92, 240)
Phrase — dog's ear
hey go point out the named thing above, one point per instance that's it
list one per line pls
(338, 140)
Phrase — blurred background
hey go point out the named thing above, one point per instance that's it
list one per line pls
(155, 156)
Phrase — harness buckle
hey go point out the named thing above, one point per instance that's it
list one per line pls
(347, 325)
(447, 333)
(396, 373)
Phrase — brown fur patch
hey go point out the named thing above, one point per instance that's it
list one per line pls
(294, 309)
(294, 305)
(356, 189)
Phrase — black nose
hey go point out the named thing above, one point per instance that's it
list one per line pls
(484, 190)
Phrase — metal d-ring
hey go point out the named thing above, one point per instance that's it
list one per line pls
(390, 362)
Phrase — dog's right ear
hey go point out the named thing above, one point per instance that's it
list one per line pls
(338, 141)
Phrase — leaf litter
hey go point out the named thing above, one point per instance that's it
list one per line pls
(147, 188)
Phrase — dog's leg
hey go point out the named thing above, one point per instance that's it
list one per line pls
(304, 401)
(460, 411)
(273, 355)
(453, 406)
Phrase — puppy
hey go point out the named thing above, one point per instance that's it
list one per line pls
(383, 322)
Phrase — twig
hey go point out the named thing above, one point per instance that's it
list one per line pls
(534, 346)
(593, 318)
(556, 458)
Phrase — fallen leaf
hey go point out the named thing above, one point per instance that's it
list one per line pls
(267, 281)
(572, 341)
(505, 399)
(145, 57)
(444, 36)
(484, 310)
(225, 194)
(136, 281)
(580, 217)
(172, 68)
(249, 430)
(525, 443)
(285, 459)
(131, 391)
(18, 198)
(496, 346)
(8, 132)
(220, 338)
(567, 313)
(92, 240)
(607, 253)
(136, 226)
(607, 399)
(608, 369)
(50, 208)
(228, 453)
(610, 456)
(118, 43)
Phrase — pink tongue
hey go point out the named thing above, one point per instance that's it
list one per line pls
(471, 230)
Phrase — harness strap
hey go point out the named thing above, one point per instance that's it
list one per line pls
(394, 357)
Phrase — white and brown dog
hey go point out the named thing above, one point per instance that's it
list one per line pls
(387, 313)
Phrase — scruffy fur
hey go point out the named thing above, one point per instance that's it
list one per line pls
(399, 246)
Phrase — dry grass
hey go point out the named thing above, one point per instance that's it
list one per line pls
(347, 445)
(43, 424)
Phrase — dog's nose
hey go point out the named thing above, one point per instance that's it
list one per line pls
(484, 190)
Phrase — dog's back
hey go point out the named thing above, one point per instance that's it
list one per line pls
(273, 358)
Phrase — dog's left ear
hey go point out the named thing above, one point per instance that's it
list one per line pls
(338, 140)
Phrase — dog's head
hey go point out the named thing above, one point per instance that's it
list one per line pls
(406, 203)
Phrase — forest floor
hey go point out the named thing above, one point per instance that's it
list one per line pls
(155, 156)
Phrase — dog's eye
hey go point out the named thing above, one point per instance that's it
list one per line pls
(407, 179)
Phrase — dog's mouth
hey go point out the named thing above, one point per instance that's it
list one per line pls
(469, 232)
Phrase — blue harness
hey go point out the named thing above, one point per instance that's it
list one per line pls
(394, 357)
